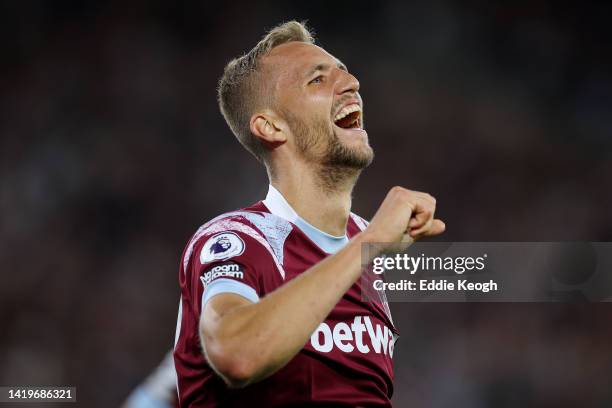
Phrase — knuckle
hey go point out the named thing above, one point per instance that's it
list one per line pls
(427, 197)
(397, 190)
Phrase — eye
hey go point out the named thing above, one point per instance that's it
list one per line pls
(316, 80)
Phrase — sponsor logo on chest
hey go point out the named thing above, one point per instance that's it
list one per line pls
(361, 335)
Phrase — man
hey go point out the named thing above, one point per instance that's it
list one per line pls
(271, 310)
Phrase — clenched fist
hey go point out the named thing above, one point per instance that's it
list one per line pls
(404, 216)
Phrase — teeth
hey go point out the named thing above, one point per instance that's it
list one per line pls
(346, 111)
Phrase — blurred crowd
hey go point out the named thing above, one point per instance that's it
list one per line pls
(113, 152)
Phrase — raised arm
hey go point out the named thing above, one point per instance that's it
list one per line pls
(241, 339)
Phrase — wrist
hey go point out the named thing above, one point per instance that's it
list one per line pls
(372, 240)
(370, 236)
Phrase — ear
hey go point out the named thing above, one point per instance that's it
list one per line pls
(269, 128)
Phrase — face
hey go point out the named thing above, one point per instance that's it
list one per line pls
(319, 99)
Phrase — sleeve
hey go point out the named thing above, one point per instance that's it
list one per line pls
(158, 390)
(229, 262)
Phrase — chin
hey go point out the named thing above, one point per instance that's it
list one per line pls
(354, 153)
(355, 141)
(365, 157)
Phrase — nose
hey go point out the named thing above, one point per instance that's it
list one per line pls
(347, 83)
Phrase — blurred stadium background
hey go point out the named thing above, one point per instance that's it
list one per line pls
(112, 153)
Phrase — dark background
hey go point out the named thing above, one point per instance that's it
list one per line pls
(113, 152)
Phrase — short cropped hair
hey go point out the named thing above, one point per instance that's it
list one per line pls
(242, 90)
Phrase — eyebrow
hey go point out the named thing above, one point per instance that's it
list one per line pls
(326, 67)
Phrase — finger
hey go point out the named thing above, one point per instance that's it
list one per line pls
(420, 219)
(417, 221)
(419, 231)
(426, 197)
(437, 227)
(423, 212)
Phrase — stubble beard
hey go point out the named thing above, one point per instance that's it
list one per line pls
(336, 165)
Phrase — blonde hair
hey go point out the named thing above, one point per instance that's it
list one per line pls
(242, 89)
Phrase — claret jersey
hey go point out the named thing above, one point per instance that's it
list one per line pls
(252, 252)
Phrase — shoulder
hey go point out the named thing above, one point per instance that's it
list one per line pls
(251, 232)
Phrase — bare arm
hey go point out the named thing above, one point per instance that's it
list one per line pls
(241, 339)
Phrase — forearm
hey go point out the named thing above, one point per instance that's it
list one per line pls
(250, 333)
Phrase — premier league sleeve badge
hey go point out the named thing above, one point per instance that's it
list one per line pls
(222, 246)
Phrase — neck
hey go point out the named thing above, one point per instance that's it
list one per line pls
(321, 196)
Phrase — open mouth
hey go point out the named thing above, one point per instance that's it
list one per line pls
(349, 117)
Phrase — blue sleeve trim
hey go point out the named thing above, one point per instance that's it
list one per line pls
(142, 398)
(219, 286)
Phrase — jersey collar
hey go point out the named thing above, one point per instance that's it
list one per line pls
(276, 203)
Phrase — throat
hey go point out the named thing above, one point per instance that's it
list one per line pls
(325, 210)
(333, 179)
(329, 203)
(330, 217)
